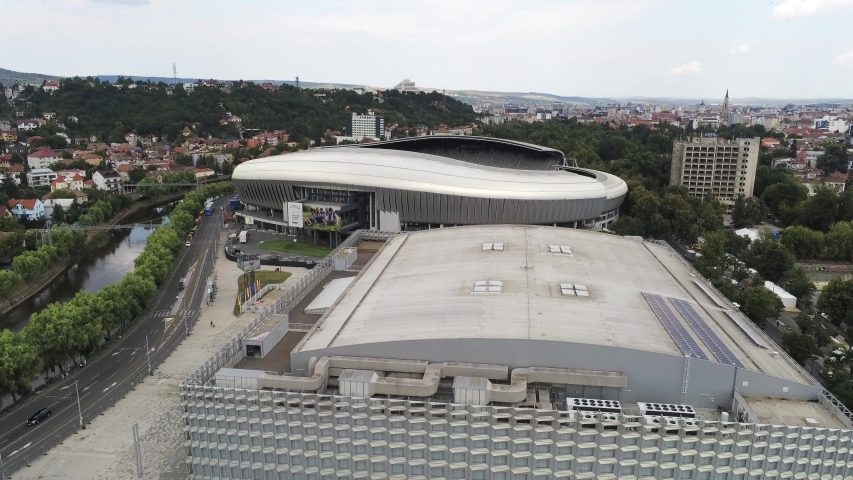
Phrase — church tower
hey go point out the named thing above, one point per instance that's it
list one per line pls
(726, 113)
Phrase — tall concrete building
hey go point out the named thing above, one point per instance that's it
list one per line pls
(369, 125)
(713, 167)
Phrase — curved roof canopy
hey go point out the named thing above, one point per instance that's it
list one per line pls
(427, 173)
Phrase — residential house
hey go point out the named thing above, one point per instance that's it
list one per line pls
(124, 171)
(202, 173)
(50, 86)
(108, 180)
(49, 116)
(186, 132)
(43, 158)
(30, 124)
(67, 183)
(4, 212)
(131, 139)
(9, 136)
(5, 124)
(15, 177)
(51, 203)
(269, 87)
(29, 209)
(70, 172)
(92, 159)
(40, 177)
(770, 143)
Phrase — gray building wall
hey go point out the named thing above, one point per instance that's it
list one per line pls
(425, 207)
(652, 377)
(234, 433)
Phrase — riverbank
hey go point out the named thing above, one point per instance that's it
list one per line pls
(38, 284)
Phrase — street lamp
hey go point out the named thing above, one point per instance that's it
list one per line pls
(79, 410)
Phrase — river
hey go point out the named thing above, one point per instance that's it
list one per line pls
(104, 266)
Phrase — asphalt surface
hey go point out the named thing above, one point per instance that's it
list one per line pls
(117, 366)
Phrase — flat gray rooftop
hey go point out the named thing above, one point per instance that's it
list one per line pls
(421, 286)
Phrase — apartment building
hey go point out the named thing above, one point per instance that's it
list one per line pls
(713, 167)
(366, 126)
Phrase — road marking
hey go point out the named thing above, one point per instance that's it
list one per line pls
(4, 441)
(117, 353)
(22, 448)
(111, 386)
(87, 388)
(67, 386)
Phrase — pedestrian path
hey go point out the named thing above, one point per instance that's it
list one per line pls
(104, 451)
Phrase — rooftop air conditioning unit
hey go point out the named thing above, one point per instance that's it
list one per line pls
(593, 405)
(666, 410)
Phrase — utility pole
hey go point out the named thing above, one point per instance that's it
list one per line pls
(297, 81)
(148, 355)
(79, 410)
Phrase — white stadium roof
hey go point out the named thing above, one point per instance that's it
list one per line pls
(428, 173)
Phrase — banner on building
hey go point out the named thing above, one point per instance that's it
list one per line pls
(294, 215)
(321, 218)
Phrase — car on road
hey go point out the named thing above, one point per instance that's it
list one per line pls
(39, 416)
(188, 243)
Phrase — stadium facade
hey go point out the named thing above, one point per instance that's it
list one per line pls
(424, 183)
(509, 352)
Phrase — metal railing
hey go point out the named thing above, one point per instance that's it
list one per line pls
(836, 408)
(231, 353)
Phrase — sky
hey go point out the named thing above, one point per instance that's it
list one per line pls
(592, 48)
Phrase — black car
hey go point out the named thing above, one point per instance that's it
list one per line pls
(38, 416)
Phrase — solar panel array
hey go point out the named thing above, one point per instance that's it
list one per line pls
(709, 294)
(717, 347)
(674, 327)
(748, 331)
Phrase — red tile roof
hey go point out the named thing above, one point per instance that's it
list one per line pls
(44, 154)
(28, 203)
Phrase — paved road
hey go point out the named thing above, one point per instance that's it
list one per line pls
(114, 368)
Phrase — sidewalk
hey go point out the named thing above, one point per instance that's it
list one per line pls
(105, 449)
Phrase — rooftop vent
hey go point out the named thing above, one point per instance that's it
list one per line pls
(574, 289)
(593, 405)
(497, 247)
(488, 286)
(561, 249)
(666, 410)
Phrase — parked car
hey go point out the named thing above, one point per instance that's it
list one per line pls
(39, 416)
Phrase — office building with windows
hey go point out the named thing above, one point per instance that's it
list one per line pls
(429, 182)
(368, 125)
(714, 167)
(508, 352)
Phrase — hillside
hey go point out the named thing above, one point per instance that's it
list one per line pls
(104, 109)
(9, 77)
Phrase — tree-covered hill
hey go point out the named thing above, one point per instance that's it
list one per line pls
(102, 108)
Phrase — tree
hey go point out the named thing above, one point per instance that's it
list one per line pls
(839, 241)
(799, 346)
(798, 284)
(818, 212)
(747, 212)
(760, 304)
(803, 242)
(58, 215)
(136, 174)
(789, 192)
(836, 301)
(770, 258)
(19, 364)
(9, 187)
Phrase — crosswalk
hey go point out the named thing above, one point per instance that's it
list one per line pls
(184, 312)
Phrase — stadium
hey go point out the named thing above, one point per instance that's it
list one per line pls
(508, 352)
(423, 183)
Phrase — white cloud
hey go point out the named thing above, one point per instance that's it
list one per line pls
(687, 68)
(845, 58)
(740, 50)
(794, 8)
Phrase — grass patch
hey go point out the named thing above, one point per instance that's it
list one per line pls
(295, 247)
(266, 277)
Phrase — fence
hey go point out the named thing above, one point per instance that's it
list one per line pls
(834, 405)
(248, 305)
(128, 383)
(231, 354)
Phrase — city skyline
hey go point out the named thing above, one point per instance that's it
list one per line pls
(645, 48)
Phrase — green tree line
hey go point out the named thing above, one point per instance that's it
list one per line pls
(62, 332)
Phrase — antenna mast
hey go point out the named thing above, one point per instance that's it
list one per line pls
(297, 81)
(174, 74)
